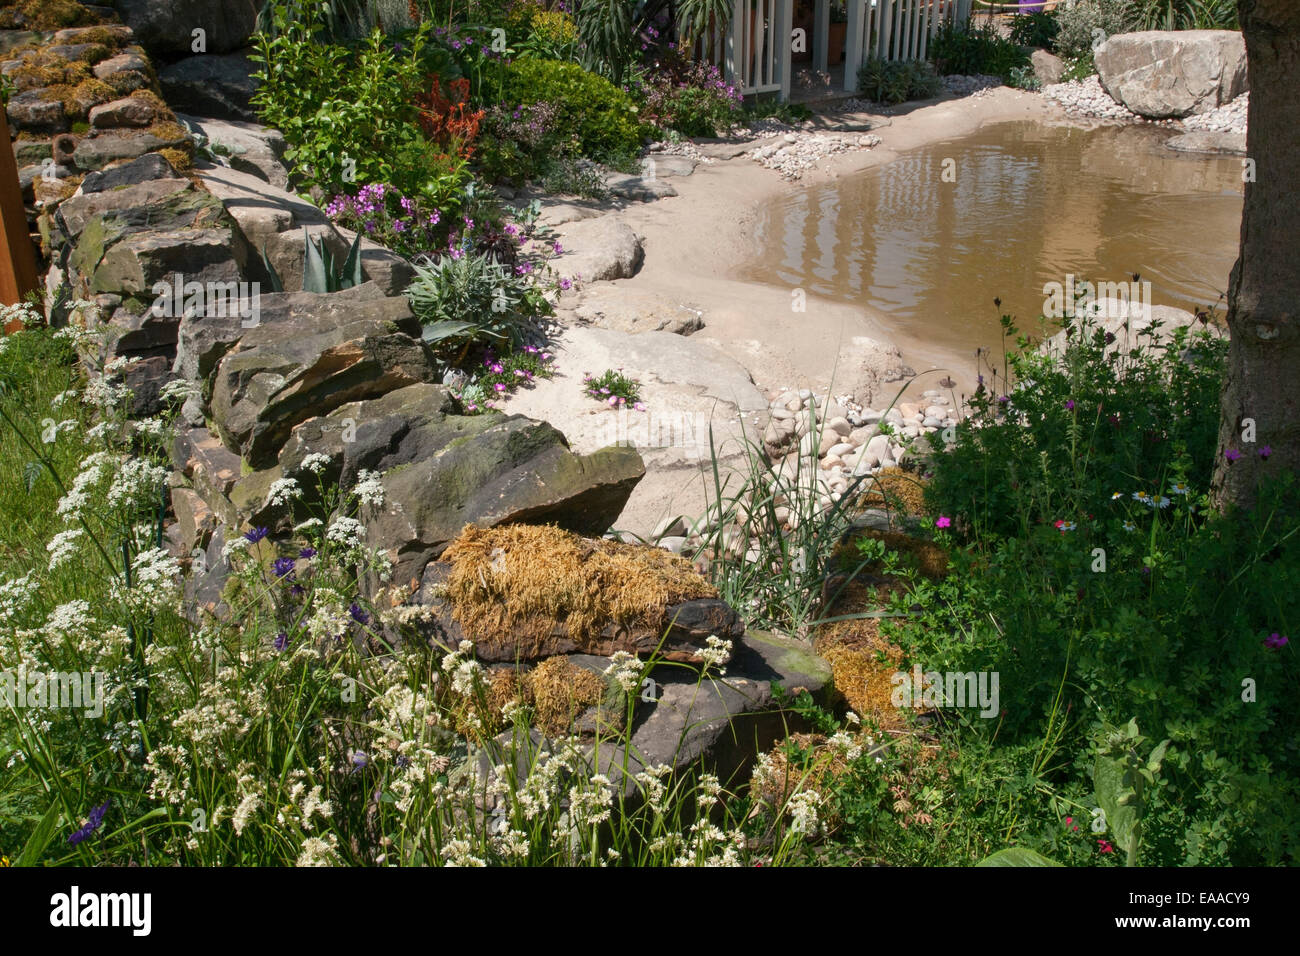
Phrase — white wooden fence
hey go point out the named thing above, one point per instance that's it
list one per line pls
(755, 50)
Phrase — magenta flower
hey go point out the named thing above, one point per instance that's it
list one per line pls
(1232, 455)
(943, 521)
(1069, 405)
(499, 387)
(1265, 451)
(1276, 640)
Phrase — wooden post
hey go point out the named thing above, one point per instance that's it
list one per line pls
(17, 258)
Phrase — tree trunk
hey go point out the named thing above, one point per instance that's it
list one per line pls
(1264, 292)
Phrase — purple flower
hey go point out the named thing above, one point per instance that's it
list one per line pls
(1276, 640)
(943, 521)
(307, 553)
(359, 761)
(1265, 451)
(283, 567)
(558, 248)
(358, 614)
(281, 641)
(92, 823)
(1069, 404)
(256, 535)
(1232, 455)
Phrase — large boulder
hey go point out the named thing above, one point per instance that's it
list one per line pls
(308, 355)
(1161, 74)
(167, 28)
(599, 249)
(443, 469)
(248, 147)
(216, 86)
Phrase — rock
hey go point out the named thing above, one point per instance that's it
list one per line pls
(673, 543)
(1162, 74)
(309, 355)
(671, 526)
(148, 167)
(638, 188)
(127, 62)
(839, 425)
(931, 422)
(719, 724)
(631, 310)
(140, 260)
(214, 86)
(128, 111)
(1209, 141)
(1048, 68)
(248, 147)
(166, 27)
(443, 469)
(33, 111)
(146, 377)
(599, 249)
(28, 152)
(102, 148)
(79, 210)
(877, 449)
(211, 468)
(195, 520)
(664, 165)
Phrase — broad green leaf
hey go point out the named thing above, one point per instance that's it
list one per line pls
(41, 837)
(1017, 856)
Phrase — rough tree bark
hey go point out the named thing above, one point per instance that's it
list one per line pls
(1264, 291)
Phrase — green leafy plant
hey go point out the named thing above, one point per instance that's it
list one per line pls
(896, 81)
(1034, 29)
(1084, 25)
(966, 50)
(601, 116)
(466, 300)
(614, 389)
(607, 38)
(1123, 780)
(1183, 14)
(320, 272)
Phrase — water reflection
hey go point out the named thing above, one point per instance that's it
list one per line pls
(1023, 204)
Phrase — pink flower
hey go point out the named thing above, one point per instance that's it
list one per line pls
(613, 400)
(943, 521)
(500, 387)
(639, 406)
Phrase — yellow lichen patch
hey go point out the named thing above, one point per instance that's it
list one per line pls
(520, 581)
(45, 15)
(895, 490)
(560, 691)
(179, 159)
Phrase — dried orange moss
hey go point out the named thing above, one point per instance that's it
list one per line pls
(520, 580)
(560, 691)
(895, 490)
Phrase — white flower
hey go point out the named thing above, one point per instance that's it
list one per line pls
(72, 620)
(625, 670)
(150, 427)
(803, 813)
(282, 491)
(716, 652)
(369, 488)
(457, 853)
(311, 524)
(179, 389)
(15, 595)
(63, 546)
(314, 463)
(345, 531)
(244, 812)
(318, 852)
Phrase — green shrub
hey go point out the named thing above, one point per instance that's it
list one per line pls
(896, 81)
(1085, 26)
(1183, 15)
(968, 50)
(603, 117)
(348, 114)
(1034, 29)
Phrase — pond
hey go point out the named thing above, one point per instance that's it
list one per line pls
(926, 243)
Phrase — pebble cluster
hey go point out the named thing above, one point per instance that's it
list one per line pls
(682, 147)
(1230, 118)
(796, 152)
(971, 85)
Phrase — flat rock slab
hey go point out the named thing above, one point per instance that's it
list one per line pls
(1209, 141)
(659, 165)
(623, 309)
(219, 86)
(688, 386)
(253, 149)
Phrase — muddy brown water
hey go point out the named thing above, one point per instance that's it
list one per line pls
(1031, 203)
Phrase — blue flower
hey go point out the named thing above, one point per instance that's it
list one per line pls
(256, 535)
(92, 823)
(281, 641)
(283, 567)
(358, 614)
